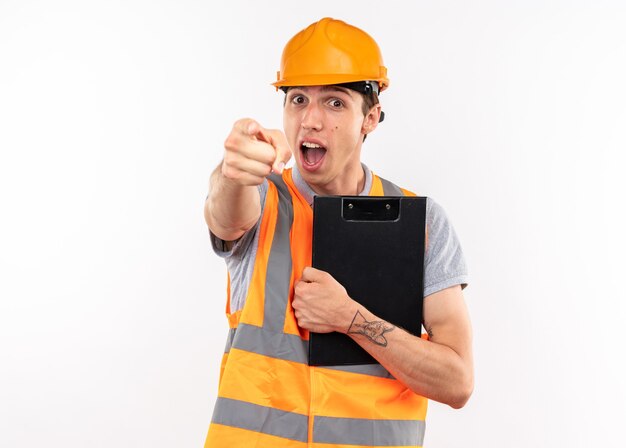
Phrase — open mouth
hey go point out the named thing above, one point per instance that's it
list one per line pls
(312, 154)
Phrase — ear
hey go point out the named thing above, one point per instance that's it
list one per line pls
(370, 121)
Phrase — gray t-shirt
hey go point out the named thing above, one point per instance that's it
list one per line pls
(444, 264)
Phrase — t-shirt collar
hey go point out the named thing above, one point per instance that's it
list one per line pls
(307, 192)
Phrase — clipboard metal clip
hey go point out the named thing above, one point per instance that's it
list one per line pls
(370, 208)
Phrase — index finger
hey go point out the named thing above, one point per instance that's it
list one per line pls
(254, 129)
(273, 137)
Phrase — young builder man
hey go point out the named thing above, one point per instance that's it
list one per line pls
(260, 219)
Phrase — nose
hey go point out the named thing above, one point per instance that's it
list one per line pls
(312, 117)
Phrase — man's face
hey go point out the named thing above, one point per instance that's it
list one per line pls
(324, 126)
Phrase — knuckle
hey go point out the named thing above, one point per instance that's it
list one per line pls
(231, 173)
(229, 158)
(226, 169)
(302, 287)
(232, 141)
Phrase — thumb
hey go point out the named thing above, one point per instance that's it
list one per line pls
(310, 274)
(283, 151)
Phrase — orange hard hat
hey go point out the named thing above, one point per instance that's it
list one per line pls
(331, 52)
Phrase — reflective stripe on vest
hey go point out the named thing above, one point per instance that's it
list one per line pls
(268, 394)
(346, 431)
(390, 189)
(240, 414)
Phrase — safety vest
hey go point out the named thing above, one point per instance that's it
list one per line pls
(268, 395)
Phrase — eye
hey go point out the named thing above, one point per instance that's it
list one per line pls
(335, 103)
(298, 99)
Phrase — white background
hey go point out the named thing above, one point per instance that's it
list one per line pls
(510, 114)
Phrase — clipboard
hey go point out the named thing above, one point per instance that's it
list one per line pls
(374, 247)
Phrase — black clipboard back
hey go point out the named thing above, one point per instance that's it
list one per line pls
(374, 247)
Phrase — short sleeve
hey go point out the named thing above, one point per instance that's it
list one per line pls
(241, 257)
(444, 263)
